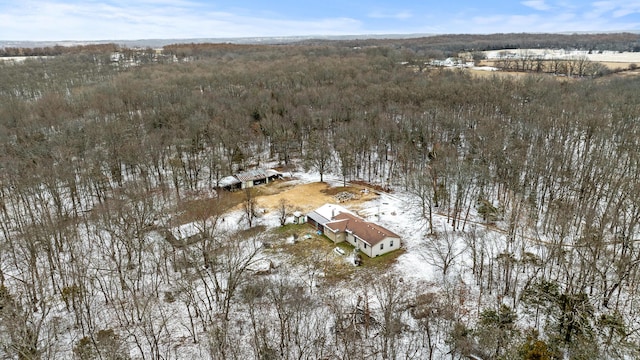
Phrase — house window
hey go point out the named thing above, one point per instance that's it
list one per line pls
(365, 245)
(390, 243)
(381, 246)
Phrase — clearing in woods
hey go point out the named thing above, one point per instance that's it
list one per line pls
(307, 197)
(299, 197)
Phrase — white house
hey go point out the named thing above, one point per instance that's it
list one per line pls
(340, 224)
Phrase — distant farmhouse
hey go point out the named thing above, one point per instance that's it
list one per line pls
(340, 224)
(247, 179)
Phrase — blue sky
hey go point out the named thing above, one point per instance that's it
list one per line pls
(55, 20)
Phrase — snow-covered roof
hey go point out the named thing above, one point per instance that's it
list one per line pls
(271, 172)
(327, 212)
(228, 181)
(250, 175)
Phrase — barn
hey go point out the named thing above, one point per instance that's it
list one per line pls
(248, 179)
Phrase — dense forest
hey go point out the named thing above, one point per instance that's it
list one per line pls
(96, 156)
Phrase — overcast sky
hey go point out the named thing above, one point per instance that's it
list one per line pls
(52, 20)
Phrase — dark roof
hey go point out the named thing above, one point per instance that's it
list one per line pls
(338, 225)
(369, 232)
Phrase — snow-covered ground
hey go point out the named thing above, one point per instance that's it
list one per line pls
(396, 212)
(171, 298)
(485, 68)
(19, 59)
(604, 56)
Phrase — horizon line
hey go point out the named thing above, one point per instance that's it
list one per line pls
(261, 39)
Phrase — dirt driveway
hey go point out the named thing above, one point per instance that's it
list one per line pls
(306, 197)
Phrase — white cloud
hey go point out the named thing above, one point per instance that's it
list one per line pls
(627, 9)
(44, 20)
(173, 19)
(599, 8)
(397, 15)
(616, 9)
(537, 5)
(567, 21)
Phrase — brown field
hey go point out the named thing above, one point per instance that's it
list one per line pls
(484, 73)
(617, 65)
(622, 68)
(635, 72)
(299, 197)
(306, 197)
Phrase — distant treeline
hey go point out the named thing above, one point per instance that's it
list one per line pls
(452, 44)
(58, 50)
(199, 50)
(432, 46)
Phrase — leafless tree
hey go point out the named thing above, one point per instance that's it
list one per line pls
(421, 186)
(283, 211)
(442, 251)
(249, 206)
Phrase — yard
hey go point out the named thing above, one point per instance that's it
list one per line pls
(309, 196)
(297, 244)
(302, 197)
(315, 253)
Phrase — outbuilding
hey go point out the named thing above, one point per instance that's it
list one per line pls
(248, 179)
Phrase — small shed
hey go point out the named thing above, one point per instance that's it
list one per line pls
(299, 218)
